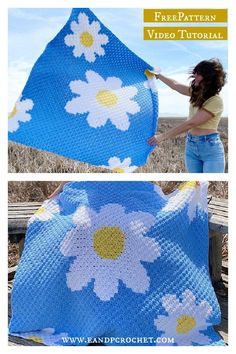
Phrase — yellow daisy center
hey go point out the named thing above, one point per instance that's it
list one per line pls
(188, 185)
(13, 113)
(148, 74)
(36, 339)
(86, 39)
(109, 242)
(118, 170)
(107, 98)
(185, 324)
(40, 211)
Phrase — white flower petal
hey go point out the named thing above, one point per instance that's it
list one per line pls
(113, 83)
(20, 114)
(75, 27)
(121, 123)
(82, 216)
(130, 169)
(25, 117)
(129, 91)
(94, 78)
(133, 107)
(111, 210)
(95, 27)
(70, 40)
(137, 279)
(114, 162)
(205, 308)
(25, 105)
(126, 162)
(13, 125)
(83, 20)
(89, 56)
(78, 86)
(103, 39)
(105, 288)
(78, 277)
(201, 339)
(76, 105)
(96, 121)
(188, 298)
(170, 303)
(100, 51)
(163, 323)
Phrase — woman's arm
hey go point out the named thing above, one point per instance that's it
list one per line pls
(199, 118)
(183, 89)
(57, 190)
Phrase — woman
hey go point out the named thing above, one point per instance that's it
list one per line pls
(204, 150)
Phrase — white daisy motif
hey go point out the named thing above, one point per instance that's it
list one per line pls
(45, 336)
(151, 84)
(109, 246)
(46, 212)
(191, 194)
(86, 38)
(185, 319)
(115, 164)
(103, 100)
(19, 114)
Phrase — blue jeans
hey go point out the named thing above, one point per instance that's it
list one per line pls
(204, 153)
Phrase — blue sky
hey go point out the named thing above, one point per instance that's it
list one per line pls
(31, 29)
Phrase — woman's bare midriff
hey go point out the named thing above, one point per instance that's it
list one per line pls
(198, 131)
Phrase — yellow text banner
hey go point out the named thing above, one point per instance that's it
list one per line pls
(185, 33)
(185, 15)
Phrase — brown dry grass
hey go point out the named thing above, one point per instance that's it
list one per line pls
(169, 157)
(13, 254)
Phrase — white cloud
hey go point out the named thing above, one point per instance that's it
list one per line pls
(214, 44)
(184, 49)
(37, 17)
(18, 73)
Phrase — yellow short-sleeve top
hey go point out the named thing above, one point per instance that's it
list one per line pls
(213, 105)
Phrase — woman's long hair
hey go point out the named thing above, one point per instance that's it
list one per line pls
(214, 78)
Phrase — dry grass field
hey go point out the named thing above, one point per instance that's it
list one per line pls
(169, 157)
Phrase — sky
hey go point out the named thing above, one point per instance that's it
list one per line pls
(31, 29)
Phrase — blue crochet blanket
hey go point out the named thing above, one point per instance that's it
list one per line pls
(88, 98)
(118, 262)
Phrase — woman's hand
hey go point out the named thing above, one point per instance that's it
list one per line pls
(156, 139)
(57, 191)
